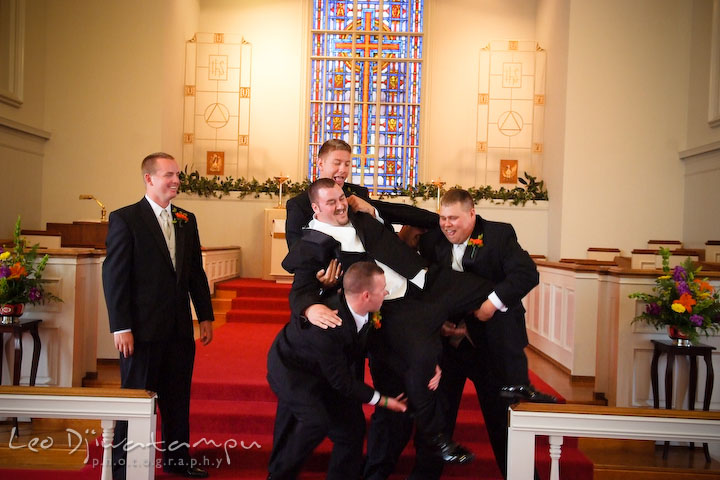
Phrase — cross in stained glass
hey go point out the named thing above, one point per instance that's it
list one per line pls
(367, 47)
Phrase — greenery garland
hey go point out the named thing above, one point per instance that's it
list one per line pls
(195, 184)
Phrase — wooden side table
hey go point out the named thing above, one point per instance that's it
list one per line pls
(671, 350)
(17, 329)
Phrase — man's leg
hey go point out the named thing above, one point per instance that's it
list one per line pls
(429, 466)
(299, 429)
(389, 431)
(134, 373)
(347, 431)
(175, 365)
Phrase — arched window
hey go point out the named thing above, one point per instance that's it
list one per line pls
(365, 77)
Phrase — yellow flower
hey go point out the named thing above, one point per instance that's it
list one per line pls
(4, 255)
(678, 308)
(664, 277)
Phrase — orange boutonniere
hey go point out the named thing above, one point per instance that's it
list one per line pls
(179, 217)
(376, 320)
(475, 243)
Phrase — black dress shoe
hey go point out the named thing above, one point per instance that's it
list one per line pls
(450, 451)
(188, 472)
(526, 393)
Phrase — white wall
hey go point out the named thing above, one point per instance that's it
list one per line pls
(21, 154)
(456, 31)
(626, 103)
(276, 29)
(702, 170)
(552, 33)
(114, 94)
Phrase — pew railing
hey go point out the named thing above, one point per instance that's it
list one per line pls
(528, 420)
(108, 405)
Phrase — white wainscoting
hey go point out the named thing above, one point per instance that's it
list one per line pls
(221, 263)
(562, 314)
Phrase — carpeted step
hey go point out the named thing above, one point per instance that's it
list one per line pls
(257, 316)
(254, 303)
(255, 287)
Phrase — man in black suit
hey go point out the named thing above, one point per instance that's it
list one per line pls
(335, 162)
(317, 376)
(491, 352)
(405, 351)
(152, 268)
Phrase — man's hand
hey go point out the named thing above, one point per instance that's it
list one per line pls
(397, 404)
(486, 311)
(435, 380)
(328, 277)
(125, 343)
(206, 332)
(359, 205)
(321, 316)
(449, 329)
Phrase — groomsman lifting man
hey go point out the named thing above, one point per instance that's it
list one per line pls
(490, 353)
(406, 349)
(317, 375)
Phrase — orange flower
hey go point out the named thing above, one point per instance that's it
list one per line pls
(686, 301)
(181, 216)
(475, 242)
(705, 286)
(17, 271)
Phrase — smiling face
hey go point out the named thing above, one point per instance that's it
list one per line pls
(456, 221)
(335, 165)
(162, 185)
(331, 206)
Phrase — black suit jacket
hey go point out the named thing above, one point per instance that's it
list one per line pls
(299, 213)
(501, 260)
(315, 250)
(305, 361)
(143, 291)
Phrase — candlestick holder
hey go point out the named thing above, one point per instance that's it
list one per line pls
(281, 181)
(439, 184)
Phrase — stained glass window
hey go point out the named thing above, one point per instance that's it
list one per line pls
(366, 66)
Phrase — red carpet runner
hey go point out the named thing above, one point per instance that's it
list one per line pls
(233, 409)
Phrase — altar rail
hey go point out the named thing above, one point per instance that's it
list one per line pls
(528, 420)
(106, 404)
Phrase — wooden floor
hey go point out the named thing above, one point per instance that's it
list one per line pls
(613, 460)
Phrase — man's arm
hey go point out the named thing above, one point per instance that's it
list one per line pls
(519, 270)
(295, 219)
(335, 369)
(199, 289)
(116, 274)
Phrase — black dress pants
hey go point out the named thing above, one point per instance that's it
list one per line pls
(300, 426)
(165, 368)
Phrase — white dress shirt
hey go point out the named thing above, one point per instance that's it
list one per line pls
(458, 251)
(396, 284)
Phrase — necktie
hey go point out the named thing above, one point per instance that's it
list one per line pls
(168, 233)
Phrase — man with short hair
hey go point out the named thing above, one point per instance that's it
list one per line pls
(335, 162)
(317, 376)
(491, 352)
(420, 298)
(152, 268)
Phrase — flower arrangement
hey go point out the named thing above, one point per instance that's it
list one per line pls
(376, 320)
(475, 243)
(681, 301)
(21, 275)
